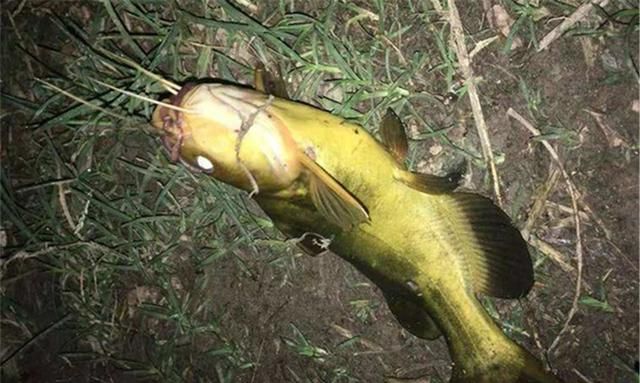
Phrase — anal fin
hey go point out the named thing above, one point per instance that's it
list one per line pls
(412, 317)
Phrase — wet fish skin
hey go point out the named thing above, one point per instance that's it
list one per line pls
(428, 248)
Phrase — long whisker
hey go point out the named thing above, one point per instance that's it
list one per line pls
(140, 97)
(80, 100)
(171, 87)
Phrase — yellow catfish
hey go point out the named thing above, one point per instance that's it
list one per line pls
(329, 182)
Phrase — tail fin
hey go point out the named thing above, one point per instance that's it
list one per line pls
(497, 263)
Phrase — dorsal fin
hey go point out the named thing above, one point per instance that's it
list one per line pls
(331, 199)
(428, 183)
(495, 253)
(267, 82)
(393, 136)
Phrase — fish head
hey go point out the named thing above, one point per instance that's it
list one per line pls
(230, 132)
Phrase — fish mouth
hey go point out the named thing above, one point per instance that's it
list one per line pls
(169, 121)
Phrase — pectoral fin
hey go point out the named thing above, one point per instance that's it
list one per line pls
(393, 136)
(331, 199)
(428, 183)
(495, 253)
(269, 83)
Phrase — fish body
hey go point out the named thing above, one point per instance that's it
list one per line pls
(319, 177)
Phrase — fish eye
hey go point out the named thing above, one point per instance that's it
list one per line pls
(204, 163)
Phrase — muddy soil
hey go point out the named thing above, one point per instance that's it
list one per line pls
(297, 318)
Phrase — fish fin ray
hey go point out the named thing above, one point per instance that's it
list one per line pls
(497, 256)
(412, 317)
(428, 183)
(394, 136)
(331, 199)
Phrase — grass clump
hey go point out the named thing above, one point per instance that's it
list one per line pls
(118, 263)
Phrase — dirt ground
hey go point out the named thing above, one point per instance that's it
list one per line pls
(279, 316)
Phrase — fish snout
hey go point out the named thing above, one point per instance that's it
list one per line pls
(169, 121)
